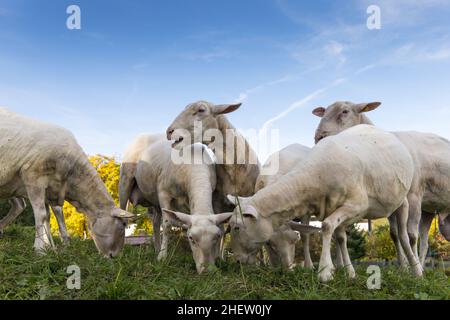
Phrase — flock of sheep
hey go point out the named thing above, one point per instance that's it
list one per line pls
(355, 171)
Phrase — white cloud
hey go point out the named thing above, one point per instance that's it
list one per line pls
(208, 56)
(440, 54)
(414, 53)
(335, 49)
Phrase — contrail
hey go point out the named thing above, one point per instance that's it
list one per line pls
(245, 94)
(299, 103)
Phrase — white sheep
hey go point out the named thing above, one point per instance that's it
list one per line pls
(44, 163)
(430, 189)
(232, 177)
(281, 246)
(361, 173)
(187, 187)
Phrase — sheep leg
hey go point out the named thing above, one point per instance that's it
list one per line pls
(17, 207)
(339, 260)
(402, 220)
(58, 212)
(341, 243)
(43, 238)
(305, 241)
(414, 214)
(274, 258)
(221, 245)
(329, 225)
(393, 231)
(164, 201)
(156, 223)
(424, 229)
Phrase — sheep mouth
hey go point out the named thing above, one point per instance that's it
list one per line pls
(177, 141)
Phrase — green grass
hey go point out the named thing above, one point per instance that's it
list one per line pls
(136, 274)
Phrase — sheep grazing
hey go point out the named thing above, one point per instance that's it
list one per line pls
(44, 163)
(233, 176)
(281, 246)
(360, 173)
(430, 190)
(18, 205)
(167, 186)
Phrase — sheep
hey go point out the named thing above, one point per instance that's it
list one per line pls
(18, 205)
(281, 246)
(44, 163)
(363, 172)
(187, 187)
(232, 178)
(129, 191)
(430, 190)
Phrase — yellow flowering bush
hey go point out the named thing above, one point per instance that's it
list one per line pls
(439, 247)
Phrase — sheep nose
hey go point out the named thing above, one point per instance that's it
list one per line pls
(319, 136)
(169, 133)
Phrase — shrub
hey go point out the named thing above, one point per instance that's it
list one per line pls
(438, 246)
(379, 245)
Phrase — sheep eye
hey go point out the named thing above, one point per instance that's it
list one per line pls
(345, 112)
(201, 110)
(191, 239)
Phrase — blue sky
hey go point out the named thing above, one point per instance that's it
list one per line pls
(135, 64)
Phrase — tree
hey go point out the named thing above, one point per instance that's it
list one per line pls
(356, 242)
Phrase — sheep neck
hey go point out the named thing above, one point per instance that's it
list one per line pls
(293, 195)
(200, 190)
(365, 120)
(87, 191)
(235, 169)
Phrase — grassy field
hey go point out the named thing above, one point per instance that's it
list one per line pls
(136, 274)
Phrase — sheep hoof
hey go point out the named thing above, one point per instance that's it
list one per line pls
(326, 275)
(162, 255)
(417, 270)
(351, 273)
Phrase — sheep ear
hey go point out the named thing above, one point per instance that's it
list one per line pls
(303, 228)
(118, 213)
(319, 111)
(180, 217)
(233, 199)
(366, 107)
(250, 212)
(222, 217)
(225, 108)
